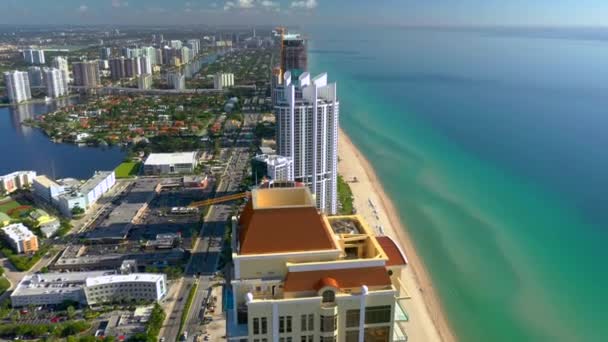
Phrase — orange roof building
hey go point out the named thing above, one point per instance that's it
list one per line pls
(300, 273)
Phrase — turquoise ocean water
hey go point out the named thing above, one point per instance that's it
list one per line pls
(494, 147)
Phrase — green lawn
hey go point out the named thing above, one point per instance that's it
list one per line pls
(345, 197)
(6, 206)
(127, 169)
(4, 284)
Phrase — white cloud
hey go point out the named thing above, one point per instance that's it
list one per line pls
(119, 3)
(248, 4)
(310, 4)
(83, 8)
(157, 10)
(269, 4)
(245, 3)
(228, 5)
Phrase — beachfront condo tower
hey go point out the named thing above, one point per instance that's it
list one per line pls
(17, 86)
(307, 111)
(299, 275)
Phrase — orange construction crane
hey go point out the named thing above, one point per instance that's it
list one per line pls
(218, 200)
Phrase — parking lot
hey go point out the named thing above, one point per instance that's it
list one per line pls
(114, 221)
(160, 219)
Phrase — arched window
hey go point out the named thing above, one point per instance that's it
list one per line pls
(329, 296)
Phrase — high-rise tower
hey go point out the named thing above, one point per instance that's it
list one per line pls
(17, 86)
(293, 54)
(61, 63)
(307, 112)
(86, 74)
(55, 85)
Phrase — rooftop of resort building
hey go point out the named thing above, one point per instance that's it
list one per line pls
(285, 220)
(395, 255)
(283, 230)
(345, 278)
(282, 221)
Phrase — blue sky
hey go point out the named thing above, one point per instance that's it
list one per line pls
(230, 12)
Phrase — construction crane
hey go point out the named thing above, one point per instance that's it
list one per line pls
(218, 200)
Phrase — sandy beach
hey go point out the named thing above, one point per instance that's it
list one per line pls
(427, 321)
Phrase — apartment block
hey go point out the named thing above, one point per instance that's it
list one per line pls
(90, 288)
(21, 239)
(17, 86)
(16, 180)
(223, 80)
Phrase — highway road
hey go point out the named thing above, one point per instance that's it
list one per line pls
(202, 266)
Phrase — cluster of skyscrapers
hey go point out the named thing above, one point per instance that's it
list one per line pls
(125, 63)
(54, 80)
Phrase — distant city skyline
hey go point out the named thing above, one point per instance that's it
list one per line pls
(290, 12)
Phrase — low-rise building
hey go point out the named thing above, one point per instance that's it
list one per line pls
(170, 163)
(275, 167)
(195, 181)
(81, 258)
(48, 224)
(21, 239)
(16, 180)
(97, 186)
(52, 288)
(49, 228)
(46, 188)
(71, 194)
(41, 217)
(88, 288)
(126, 287)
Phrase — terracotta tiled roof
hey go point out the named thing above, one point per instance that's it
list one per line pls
(282, 230)
(392, 251)
(326, 281)
(343, 278)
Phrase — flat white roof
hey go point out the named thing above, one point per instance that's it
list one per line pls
(171, 158)
(97, 178)
(19, 173)
(124, 278)
(46, 181)
(273, 159)
(17, 232)
(47, 283)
